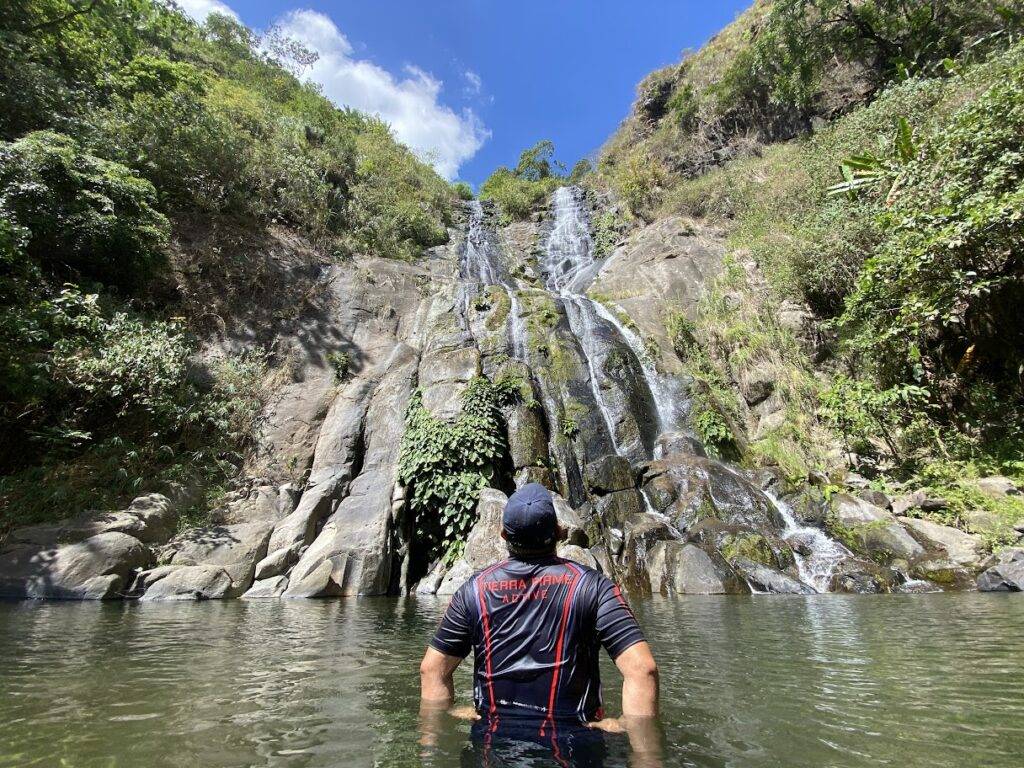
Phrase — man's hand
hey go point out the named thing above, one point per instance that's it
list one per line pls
(608, 725)
(464, 713)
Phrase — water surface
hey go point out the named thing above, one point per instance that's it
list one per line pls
(830, 680)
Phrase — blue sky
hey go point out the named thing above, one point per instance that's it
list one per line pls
(469, 84)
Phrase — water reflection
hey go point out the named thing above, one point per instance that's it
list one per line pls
(916, 680)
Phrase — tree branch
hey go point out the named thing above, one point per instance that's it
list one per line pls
(76, 11)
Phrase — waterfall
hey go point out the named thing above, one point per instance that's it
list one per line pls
(824, 554)
(482, 267)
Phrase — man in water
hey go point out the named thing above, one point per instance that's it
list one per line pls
(535, 623)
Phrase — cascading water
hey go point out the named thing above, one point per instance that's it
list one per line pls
(482, 267)
(817, 556)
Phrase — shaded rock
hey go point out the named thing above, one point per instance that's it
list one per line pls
(267, 588)
(642, 532)
(761, 578)
(615, 508)
(541, 475)
(962, 548)
(1007, 577)
(188, 582)
(1004, 557)
(608, 475)
(429, 584)
(917, 500)
(527, 440)
(809, 505)
(96, 568)
(235, 548)
(870, 530)
(572, 521)
(678, 568)
(757, 384)
(877, 498)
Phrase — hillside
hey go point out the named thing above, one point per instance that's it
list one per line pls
(862, 166)
(171, 197)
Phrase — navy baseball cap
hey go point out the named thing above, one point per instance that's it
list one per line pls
(529, 520)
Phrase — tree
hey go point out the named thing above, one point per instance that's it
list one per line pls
(535, 162)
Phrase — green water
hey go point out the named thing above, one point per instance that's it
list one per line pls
(915, 680)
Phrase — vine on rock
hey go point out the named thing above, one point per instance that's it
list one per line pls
(445, 464)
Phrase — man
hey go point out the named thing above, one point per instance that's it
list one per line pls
(535, 624)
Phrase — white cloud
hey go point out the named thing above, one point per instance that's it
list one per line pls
(409, 104)
(200, 9)
(473, 83)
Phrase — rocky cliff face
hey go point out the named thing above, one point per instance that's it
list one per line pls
(604, 423)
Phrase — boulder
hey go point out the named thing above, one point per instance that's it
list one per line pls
(944, 572)
(235, 548)
(267, 588)
(670, 443)
(356, 538)
(688, 489)
(862, 577)
(1003, 578)
(808, 505)
(189, 582)
(615, 508)
(998, 487)
(918, 500)
(95, 568)
(877, 498)
(274, 564)
(608, 475)
(578, 555)
(457, 576)
(963, 549)
(870, 530)
(484, 545)
(761, 578)
(527, 440)
(150, 519)
(430, 583)
(678, 568)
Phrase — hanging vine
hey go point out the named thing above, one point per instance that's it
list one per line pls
(445, 464)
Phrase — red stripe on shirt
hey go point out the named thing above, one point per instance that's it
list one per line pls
(558, 648)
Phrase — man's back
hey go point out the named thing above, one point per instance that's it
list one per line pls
(536, 628)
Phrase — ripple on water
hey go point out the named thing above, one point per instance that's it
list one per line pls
(914, 680)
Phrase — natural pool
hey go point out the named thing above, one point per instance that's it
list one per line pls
(830, 680)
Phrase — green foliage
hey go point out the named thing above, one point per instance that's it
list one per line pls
(518, 192)
(463, 191)
(580, 171)
(341, 363)
(445, 464)
(86, 218)
(860, 412)
(573, 413)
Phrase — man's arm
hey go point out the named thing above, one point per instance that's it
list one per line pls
(437, 684)
(639, 681)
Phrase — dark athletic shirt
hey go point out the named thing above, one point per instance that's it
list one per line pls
(536, 628)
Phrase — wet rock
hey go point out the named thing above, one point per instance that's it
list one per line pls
(963, 549)
(678, 442)
(608, 475)
(678, 568)
(770, 480)
(527, 440)
(187, 582)
(943, 571)
(764, 579)
(541, 475)
(689, 488)
(615, 508)
(808, 505)
(642, 532)
(234, 548)
(862, 577)
(870, 530)
(95, 568)
(267, 588)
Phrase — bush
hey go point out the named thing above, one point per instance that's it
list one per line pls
(86, 218)
(518, 192)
